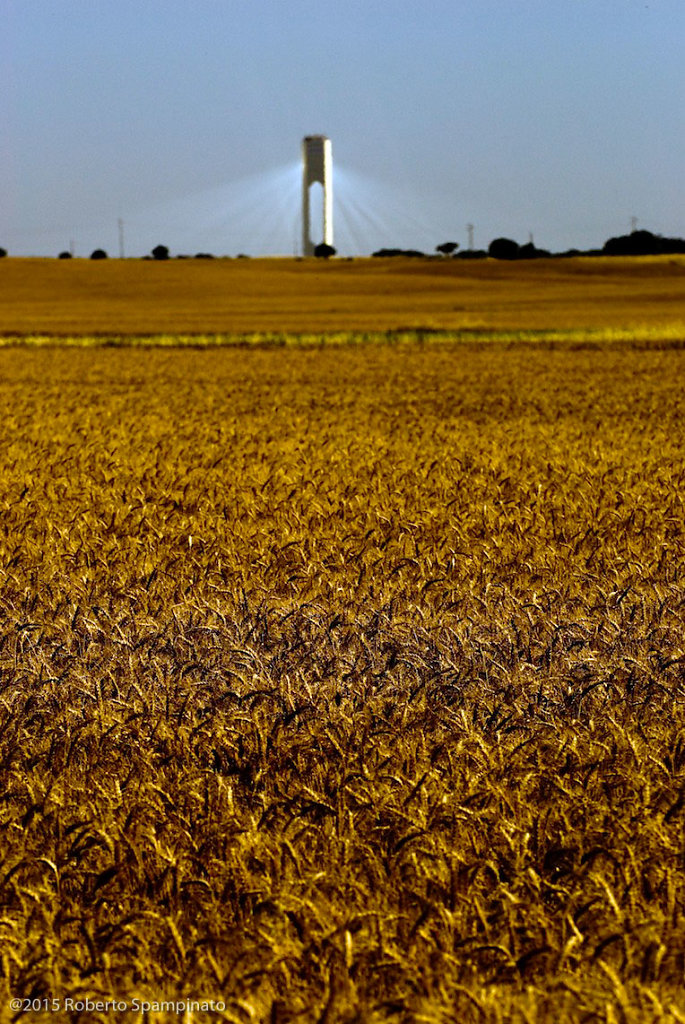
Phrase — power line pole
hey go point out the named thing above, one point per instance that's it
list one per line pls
(633, 224)
(121, 238)
(469, 228)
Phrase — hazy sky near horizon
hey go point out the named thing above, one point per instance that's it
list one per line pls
(183, 118)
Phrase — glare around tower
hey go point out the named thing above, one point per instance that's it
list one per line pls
(317, 166)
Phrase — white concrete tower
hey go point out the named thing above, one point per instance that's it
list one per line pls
(317, 166)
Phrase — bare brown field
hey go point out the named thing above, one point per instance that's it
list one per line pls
(343, 686)
(134, 297)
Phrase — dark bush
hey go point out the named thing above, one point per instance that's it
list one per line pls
(671, 246)
(98, 254)
(64, 255)
(160, 252)
(398, 252)
(637, 243)
(3, 253)
(323, 251)
(530, 252)
(447, 248)
(503, 249)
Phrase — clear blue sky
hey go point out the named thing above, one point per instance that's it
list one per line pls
(564, 118)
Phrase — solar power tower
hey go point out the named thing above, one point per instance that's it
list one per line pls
(317, 166)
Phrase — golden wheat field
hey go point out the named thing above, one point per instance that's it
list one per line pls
(44, 297)
(342, 677)
(343, 684)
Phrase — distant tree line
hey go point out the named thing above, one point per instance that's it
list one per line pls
(637, 243)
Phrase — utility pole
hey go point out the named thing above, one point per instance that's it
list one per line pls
(469, 228)
(633, 224)
(121, 238)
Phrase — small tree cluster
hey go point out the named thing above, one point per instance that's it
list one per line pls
(508, 249)
(643, 243)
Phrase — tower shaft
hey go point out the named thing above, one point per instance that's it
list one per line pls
(317, 166)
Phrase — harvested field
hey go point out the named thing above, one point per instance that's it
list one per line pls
(228, 297)
(342, 684)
